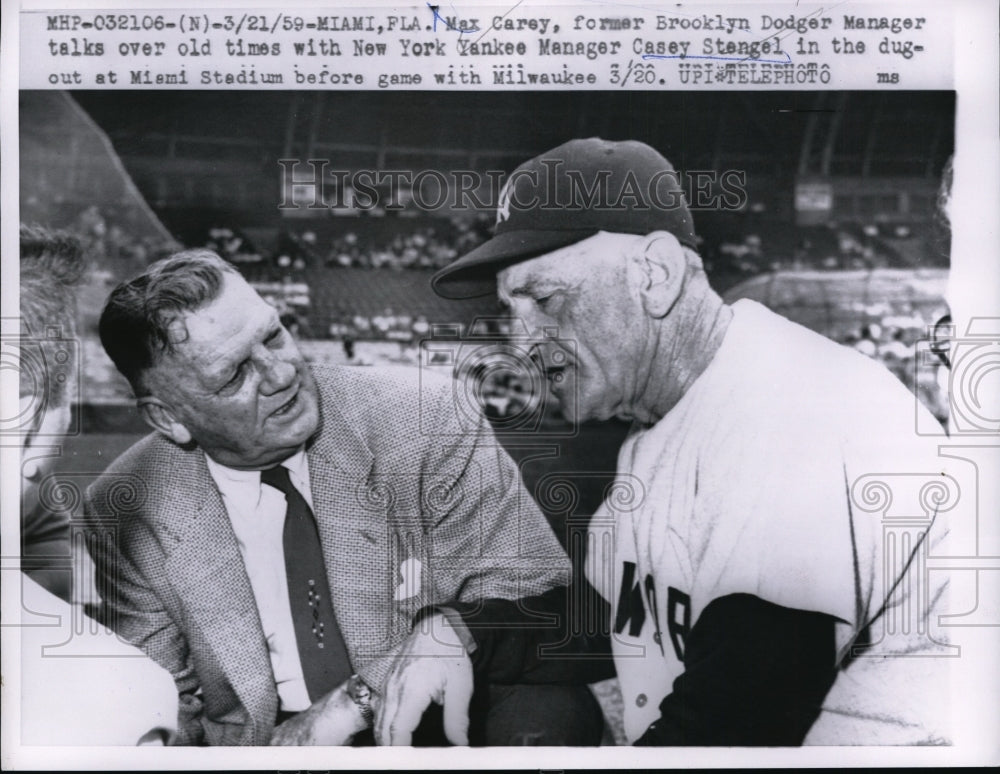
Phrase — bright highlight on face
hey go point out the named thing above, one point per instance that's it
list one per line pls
(579, 304)
(236, 382)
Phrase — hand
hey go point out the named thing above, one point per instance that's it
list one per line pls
(432, 666)
(332, 720)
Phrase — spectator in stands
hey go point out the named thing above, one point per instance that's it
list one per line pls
(229, 245)
(362, 325)
(296, 324)
(867, 343)
(421, 327)
(423, 248)
(108, 245)
(894, 343)
(51, 268)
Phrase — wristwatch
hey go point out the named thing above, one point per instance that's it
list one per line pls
(361, 694)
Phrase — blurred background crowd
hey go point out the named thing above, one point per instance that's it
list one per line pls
(835, 227)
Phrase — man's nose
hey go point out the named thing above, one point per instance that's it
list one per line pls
(277, 373)
(526, 323)
(544, 355)
(535, 355)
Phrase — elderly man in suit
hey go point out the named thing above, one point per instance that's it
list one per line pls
(275, 540)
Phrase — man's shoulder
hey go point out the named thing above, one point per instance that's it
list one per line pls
(390, 409)
(797, 390)
(391, 378)
(140, 468)
(363, 391)
(801, 364)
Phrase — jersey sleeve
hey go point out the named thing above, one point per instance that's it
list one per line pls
(781, 529)
(755, 674)
(558, 637)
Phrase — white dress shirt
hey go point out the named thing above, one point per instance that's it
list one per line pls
(257, 513)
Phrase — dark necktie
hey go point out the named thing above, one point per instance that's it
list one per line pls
(325, 663)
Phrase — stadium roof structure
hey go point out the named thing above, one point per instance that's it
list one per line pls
(68, 164)
(884, 133)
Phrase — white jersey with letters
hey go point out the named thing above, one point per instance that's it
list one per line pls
(764, 480)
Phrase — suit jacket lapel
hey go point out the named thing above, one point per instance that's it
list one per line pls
(207, 571)
(355, 545)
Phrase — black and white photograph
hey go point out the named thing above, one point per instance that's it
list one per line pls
(452, 418)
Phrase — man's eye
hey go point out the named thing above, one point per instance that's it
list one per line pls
(545, 302)
(275, 338)
(235, 381)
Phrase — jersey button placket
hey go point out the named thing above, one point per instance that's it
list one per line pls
(640, 700)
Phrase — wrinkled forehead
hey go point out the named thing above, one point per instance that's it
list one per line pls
(567, 265)
(212, 329)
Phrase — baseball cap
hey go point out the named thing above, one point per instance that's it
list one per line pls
(568, 194)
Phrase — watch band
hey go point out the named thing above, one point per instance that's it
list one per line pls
(361, 694)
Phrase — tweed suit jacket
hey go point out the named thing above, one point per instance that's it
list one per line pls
(416, 504)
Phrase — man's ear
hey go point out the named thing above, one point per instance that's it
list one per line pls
(52, 422)
(46, 433)
(662, 265)
(160, 417)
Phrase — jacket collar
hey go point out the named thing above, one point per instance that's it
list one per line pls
(205, 567)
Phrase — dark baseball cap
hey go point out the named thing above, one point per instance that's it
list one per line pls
(568, 194)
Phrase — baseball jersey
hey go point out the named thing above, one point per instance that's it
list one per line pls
(764, 480)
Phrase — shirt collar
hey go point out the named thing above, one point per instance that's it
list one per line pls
(298, 465)
(243, 486)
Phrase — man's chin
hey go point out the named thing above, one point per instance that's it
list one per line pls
(288, 443)
(578, 413)
(565, 416)
(572, 412)
(294, 436)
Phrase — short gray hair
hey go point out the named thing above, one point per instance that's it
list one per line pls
(135, 323)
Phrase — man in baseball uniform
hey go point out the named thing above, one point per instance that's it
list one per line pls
(757, 595)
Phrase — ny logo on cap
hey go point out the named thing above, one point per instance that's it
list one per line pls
(503, 211)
